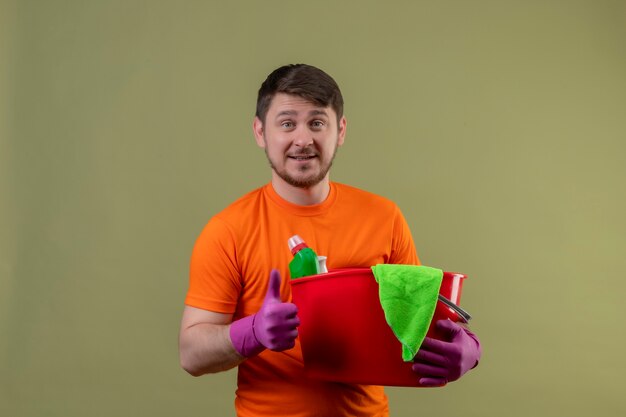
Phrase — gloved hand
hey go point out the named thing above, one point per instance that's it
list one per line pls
(442, 361)
(272, 327)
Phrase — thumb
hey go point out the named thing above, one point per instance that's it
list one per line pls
(273, 289)
(449, 329)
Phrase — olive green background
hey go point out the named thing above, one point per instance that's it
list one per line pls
(499, 128)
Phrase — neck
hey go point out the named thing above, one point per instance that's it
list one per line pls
(308, 196)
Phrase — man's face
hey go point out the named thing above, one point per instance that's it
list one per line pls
(300, 139)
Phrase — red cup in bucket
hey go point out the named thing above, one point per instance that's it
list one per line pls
(343, 331)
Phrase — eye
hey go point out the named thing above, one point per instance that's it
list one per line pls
(286, 124)
(317, 124)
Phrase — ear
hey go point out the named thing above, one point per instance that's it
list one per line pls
(257, 129)
(341, 130)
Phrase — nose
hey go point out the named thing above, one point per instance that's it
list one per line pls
(302, 137)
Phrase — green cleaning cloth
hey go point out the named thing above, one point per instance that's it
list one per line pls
(408, 295)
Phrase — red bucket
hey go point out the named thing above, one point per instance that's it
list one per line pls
(343, 332)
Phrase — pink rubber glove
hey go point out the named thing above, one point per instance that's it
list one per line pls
(440, 362)
(272, 327)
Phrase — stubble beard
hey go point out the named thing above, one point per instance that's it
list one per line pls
(304, 182)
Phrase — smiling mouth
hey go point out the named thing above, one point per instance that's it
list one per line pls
(302, 157)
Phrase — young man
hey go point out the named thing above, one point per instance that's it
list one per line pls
(237, 309)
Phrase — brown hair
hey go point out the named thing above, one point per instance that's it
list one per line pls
(306, 81)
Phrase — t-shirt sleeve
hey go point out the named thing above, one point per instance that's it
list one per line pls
(402, 248)
(214, 278)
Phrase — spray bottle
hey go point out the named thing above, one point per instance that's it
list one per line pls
(304, 260)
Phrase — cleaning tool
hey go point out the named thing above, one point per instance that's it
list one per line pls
(305, 261)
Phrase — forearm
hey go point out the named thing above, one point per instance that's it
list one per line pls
(207, 348)
(211, 342)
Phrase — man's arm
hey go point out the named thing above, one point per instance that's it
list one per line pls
(204, 342)
(211, 342)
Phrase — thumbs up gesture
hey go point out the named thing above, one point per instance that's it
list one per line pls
(275, 323)
(273, 327)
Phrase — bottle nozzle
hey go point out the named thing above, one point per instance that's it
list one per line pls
(296, 243)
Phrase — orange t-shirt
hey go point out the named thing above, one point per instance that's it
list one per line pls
(229, 273)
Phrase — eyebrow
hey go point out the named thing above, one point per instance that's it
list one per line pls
(294, 113)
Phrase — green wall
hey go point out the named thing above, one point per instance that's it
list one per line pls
(499, 127)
